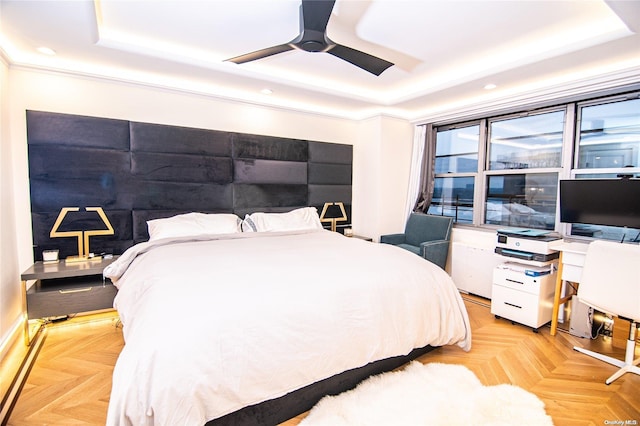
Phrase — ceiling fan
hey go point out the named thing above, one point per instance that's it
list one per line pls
(314, 16)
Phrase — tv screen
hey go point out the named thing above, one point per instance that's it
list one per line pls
(608, 202)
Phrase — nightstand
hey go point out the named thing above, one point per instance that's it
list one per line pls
(62, 289)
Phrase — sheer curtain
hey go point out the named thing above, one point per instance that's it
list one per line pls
(416, 166)
(422, 179)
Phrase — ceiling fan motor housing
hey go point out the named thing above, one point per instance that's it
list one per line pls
(312, 41)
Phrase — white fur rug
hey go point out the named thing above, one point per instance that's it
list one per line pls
(429, 394)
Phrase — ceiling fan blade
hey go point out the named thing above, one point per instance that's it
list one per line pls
(314, 14)
(262, 53)
(367, 62)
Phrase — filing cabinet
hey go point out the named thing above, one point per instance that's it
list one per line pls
(523, 294)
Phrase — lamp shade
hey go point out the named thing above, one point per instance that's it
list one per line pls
(333, 212)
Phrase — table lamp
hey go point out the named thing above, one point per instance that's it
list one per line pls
(81, 235)
(333, 212)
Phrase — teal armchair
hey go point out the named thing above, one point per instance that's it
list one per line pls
(425, 235)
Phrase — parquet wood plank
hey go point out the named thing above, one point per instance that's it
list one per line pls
(71, 381)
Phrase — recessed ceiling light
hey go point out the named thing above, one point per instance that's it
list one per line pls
(46, 51)
(490, 86)
(266, 91)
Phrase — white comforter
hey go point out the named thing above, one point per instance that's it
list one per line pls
(214, 324)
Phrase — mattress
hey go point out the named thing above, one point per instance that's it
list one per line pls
(215, 323)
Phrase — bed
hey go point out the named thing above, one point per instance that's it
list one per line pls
(220, 319)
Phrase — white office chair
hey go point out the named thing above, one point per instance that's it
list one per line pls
(611, 283)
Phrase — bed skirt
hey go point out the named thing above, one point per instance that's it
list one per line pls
(276, 411)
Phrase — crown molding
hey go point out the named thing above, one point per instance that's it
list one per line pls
(562, 92)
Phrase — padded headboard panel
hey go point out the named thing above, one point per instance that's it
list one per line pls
(141, 171)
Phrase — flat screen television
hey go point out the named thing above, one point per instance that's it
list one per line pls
(608, 202)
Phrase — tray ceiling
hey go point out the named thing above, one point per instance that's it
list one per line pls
(445, 52)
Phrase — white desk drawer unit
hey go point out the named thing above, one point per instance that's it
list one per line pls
(572, 264)
(572, 257)
(521, 298)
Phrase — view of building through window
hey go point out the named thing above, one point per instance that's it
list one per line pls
(456, 154)
(505, 170)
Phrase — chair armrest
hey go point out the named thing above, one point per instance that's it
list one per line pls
(435, 251)
(394, 239)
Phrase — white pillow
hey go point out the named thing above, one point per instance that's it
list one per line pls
(296, 220)
(191, 224)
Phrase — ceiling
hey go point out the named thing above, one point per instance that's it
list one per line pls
(444, 52)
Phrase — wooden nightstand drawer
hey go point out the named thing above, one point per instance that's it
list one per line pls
(65, 296)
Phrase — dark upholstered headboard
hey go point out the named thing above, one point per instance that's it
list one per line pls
(141, 171)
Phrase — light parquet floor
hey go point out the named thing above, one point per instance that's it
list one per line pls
(570, 384)
(71, 381)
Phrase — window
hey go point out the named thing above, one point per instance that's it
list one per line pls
(525, 200)
(608, 147)
(457, 150)
(504, 171)
(609, 135)
(453, 196)
(532, 143)
(456, 168)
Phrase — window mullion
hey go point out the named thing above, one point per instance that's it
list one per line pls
(481, 180)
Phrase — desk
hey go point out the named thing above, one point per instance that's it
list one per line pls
(570, 265)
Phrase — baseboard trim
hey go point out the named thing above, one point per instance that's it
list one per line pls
(10, 398)
(9, 339)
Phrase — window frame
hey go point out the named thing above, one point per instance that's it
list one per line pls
(540, 170)
(572, 170)
(481, 123)
(569, 153)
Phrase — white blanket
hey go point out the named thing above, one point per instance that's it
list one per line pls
(215, 324)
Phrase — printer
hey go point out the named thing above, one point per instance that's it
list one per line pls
(524, 286)
(527, 244)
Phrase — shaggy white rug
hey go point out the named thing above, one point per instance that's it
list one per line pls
(429, 394)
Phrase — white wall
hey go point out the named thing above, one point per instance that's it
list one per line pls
(10, 298)
(394, 168)
(382, 149)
